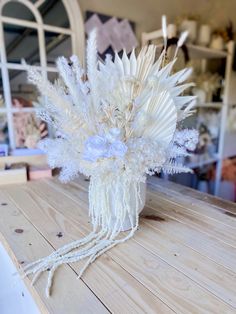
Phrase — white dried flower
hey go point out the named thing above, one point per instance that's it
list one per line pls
(117, 123)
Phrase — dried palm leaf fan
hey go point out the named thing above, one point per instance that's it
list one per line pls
(116, 127)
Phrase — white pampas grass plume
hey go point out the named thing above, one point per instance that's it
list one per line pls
(164, 31)
(164, 26)
(92, 66)
(92, 54)
(188, 110)
(182, 39)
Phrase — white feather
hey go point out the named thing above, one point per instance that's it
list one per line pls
(92, 66)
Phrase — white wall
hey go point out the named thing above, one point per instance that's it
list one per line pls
(147, 13)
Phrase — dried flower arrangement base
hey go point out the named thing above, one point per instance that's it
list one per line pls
(115, 124)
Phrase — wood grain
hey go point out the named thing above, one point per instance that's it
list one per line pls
(83, 199)
(30, 245)
(206, 245)
(191, 195)
(224, 216)
(111, 283)
(200, 242)
(181, 260)
(204, 224)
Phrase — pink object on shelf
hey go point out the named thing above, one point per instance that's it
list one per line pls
(39, 172)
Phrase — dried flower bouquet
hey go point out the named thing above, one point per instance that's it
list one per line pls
(117, 123)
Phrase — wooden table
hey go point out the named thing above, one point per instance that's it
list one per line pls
(181, 260)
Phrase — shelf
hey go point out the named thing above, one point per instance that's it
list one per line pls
(213, 105)
(14, 110)
(200, 52)
(225, 147)
(229, 151)
(202, 162)
(13, 176)
(19, 66)
(39, 159)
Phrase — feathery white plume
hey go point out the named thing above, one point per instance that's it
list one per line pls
(164, 26)
(164, 31)
(182, 39)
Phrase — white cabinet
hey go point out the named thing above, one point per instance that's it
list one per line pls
(14, 296)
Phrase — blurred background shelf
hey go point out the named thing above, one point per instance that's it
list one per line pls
(210, 105)
(225, 148)
(200, 52)
(38, 159)
(202, 161)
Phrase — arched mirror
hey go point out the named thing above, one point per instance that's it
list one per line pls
(37, 31)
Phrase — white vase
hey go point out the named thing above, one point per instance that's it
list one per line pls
(191, 27)
(115, 201)
(131, 202)
(217, 43)
(204, 35)
(201, 95)
(171, 30)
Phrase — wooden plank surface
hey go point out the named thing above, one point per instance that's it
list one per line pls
(181, 260)
(177, 190)
(25, 243)
(202, 223)
(102, 279)
(205, 276)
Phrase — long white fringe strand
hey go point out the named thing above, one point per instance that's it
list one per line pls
(109, 206)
